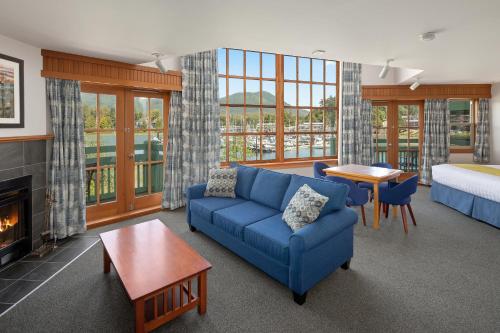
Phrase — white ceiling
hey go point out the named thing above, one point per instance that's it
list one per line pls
(466, 50)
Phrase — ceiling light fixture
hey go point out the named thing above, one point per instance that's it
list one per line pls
(427, 36)
(415, 85)
(318, 52)
(385, 69)
(158, 62)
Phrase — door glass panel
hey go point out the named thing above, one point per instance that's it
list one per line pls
(156, 113)
(107, 111)
(408, 137)
(107, 148)
(157, 146)
(141, 178)
(90, 140)
(89, 106)
(90, 186)
(107, 182)
(141, 112)
(156, 177)
(141, 146)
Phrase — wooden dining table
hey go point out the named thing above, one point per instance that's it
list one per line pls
(369, 174)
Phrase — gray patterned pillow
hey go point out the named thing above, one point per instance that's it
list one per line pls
(304, 208)
(221, 183)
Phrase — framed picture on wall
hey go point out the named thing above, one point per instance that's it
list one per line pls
(11, 92)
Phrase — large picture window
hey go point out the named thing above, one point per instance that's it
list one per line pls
(276, 108)
(461, 123)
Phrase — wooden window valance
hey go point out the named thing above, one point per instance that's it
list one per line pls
(93, 70)
(403, 92)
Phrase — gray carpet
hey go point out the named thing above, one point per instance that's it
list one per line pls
(441, 277)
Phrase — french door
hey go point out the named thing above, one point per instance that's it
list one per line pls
(146, 133)
(397, 133)
(125, 143)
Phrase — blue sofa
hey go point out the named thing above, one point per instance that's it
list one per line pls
(251, 225)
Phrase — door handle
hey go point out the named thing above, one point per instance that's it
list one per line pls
(131, 156)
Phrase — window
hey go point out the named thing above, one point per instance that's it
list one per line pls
(276, 108)
(461, 123)
(379, 132)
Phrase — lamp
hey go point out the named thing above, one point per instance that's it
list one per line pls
(158, 62)
(385, 69)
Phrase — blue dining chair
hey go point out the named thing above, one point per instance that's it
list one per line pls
(381, 186)
(400, 195)
(318, 169)
(356, 196)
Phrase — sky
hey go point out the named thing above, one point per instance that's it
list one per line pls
(269, 71)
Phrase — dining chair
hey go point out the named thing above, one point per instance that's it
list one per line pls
(381, 186)
(356, 196)
(400, 195)
(318, 169)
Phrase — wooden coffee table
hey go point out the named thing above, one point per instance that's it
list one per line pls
(158, 271)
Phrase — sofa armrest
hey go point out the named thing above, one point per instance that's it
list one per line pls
(193, 192)
(323, 229)
(320, 248)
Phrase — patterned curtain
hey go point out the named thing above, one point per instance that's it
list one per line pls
(482, 141)
(67, 167)
(194, 128)
(436, 146)
(351, 108)
(173, 196)
(357, 144)
(367, 157)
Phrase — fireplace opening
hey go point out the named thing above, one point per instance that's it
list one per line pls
(10, 228)
(15, 219)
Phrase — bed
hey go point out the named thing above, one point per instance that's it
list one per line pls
(471, 189)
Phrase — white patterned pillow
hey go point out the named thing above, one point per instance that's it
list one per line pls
(221, 183)
(304, 208)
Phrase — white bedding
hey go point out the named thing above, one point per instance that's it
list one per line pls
(480, 184)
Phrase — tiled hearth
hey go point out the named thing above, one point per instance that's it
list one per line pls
(22, 277)
(28, 158)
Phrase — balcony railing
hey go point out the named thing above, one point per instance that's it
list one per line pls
(408, 159)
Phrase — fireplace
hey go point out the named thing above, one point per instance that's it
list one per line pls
(15, 219)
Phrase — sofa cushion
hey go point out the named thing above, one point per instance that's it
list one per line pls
(269, 188)
(206, 206)
(245, 178)
(233, 219)
(336, 193)
(221, 183)
(270, 236)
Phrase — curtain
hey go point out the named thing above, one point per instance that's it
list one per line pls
(482, 141)
(67, 167)
(194, 128)
(367, 157)
(357, 146)
(172, 189)
(436, 145)
(351, 108)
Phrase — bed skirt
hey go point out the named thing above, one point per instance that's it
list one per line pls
(479, 208)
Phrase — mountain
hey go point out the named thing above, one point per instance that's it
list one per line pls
(252, 98)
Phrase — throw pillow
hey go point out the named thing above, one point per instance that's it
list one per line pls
(221, 183)
(304, 207)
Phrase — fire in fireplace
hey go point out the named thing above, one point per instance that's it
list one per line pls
(15, 218)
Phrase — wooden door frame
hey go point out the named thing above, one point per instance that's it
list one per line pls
(150, 200)
(102, 210)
